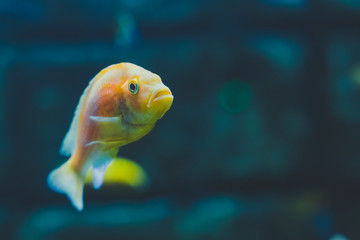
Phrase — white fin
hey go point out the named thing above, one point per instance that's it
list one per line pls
(65, 180)
(69, 142)
(98, 173)
(94, 142)
(105, 119)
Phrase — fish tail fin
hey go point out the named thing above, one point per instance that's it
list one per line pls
(66, 180)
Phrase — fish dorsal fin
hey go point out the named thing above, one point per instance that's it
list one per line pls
(69, 143)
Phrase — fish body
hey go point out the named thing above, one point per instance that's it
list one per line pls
(120, 105)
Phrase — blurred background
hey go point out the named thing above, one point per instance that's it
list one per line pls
(262, 140)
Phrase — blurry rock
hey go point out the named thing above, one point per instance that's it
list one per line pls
(338, 237)
(209, 218)
(229, 217)
(123, 220)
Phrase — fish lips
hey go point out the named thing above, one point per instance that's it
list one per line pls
(161, 96)
(161, 100)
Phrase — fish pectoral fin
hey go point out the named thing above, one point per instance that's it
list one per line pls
(108, 128)
(106, 119)
(95, 142)
(107, 143)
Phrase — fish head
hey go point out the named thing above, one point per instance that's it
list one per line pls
(147, 99)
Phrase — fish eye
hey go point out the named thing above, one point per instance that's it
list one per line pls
(133, 87)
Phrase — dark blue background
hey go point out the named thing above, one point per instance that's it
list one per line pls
(262, 140)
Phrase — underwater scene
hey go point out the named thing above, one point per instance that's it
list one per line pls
(180, 120)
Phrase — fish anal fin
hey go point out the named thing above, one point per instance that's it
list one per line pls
(98, 172)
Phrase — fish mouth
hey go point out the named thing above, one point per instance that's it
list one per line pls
(162, 94)
(161, 97)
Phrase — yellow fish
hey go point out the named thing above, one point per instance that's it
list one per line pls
(120, 105)
(123, 171)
